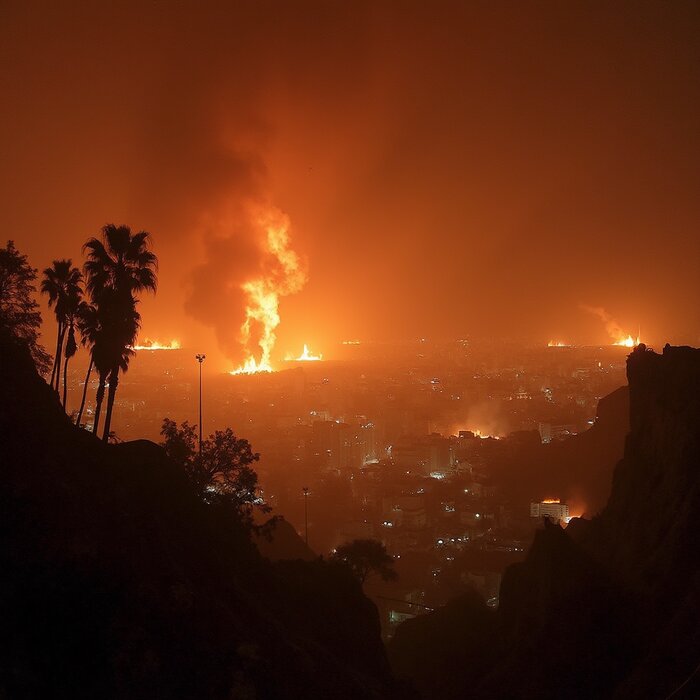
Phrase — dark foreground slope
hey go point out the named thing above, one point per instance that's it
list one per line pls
(608, 607)
(117, 582)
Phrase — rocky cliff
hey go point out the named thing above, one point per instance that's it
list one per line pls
(608, 607)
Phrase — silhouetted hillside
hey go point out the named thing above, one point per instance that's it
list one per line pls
(579, 469)
(283, 543)
(117, 582)
(608, 607)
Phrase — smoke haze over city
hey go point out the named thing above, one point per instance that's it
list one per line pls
(349, 350)
(447, 170)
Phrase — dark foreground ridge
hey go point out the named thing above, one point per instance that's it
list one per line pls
(608, 607)
(117, 582)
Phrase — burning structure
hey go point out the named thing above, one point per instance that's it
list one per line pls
(550, 508)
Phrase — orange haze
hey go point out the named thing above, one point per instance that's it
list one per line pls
(447, 169)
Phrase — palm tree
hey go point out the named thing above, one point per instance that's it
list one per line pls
(73, 302)
(120, 331)
(62, 284)
(105, 344)
(88, 325)
(71, 349)
(117, 268)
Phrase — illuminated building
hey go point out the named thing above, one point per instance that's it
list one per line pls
(550, 509)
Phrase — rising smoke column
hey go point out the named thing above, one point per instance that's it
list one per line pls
(248, 266)
(612, 327)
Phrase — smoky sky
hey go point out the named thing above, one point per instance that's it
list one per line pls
(448, 168)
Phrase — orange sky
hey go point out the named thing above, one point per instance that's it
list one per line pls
(448, 168)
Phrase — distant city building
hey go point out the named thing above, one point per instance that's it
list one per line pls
(551, 509)
(549, 432)
(431, 455)
(343, 446)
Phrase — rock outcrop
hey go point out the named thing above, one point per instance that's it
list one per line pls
(609, 607)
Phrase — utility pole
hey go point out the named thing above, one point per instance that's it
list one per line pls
(305, 491)
(200, 358)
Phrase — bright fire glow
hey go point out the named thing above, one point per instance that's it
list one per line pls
(478, 433)
(250, 366)
(283, 276)
(149, 344)
(628, 342)
(613, 328)
(305, 356)
(557, 344)
(551, 500)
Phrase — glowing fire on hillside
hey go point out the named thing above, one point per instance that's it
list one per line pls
(557, 344)
(250, 366)
(283, 275)
(149, 344)
(305, 356)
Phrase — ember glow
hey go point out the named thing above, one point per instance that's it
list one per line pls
(551, 500)
(282, 275)
(149, 344)
(557, 344)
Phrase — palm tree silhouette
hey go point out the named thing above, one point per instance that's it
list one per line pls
(117, 268)
(71, 349)
(62, 285)
(73, 301)
(117, 324)
(119, 335)
(88, 325)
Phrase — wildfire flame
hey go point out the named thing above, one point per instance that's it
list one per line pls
(628, 342)
(484, 435)
(557, 344)
(613, 328)
(305, 356)
(283, 276)
(149, 344)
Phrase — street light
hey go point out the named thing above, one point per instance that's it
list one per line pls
(305, 491)
(200, 358)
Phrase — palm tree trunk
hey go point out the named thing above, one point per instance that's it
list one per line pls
(98, 402)
(55, 357)
(65, 381)
(113, 381)
(85, 388)
(59, 354)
